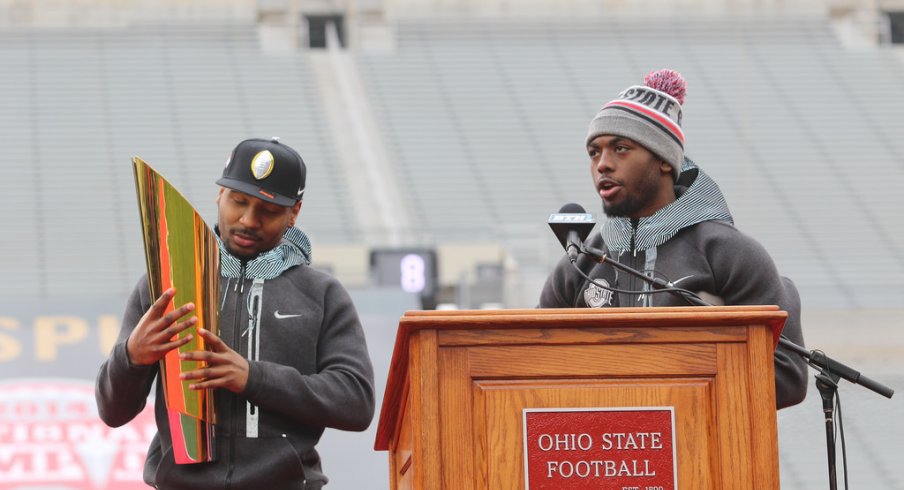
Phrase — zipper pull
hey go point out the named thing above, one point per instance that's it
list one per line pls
(255, 306)
(225, 293)
(242, 277)
(634, 223)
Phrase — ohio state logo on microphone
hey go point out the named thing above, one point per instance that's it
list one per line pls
(597, 297)
(51, 437)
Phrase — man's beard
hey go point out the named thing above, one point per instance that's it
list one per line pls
(620, 209)
(228, 242)
(634, 202)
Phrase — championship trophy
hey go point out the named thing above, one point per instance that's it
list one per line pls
(181, 252)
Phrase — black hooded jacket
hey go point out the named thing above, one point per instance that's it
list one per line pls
(692, 243)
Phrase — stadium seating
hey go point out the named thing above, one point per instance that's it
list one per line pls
(493, 114)
(484, 121)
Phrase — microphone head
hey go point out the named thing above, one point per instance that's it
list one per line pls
(572, 208)
(571, 218)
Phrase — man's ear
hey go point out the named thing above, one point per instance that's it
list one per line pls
(665, 167)
(295, 209)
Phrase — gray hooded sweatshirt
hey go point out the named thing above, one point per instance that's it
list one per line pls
(692, 243)
(309, 369)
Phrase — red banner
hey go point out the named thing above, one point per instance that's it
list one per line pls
(51, 437)
(600, 449)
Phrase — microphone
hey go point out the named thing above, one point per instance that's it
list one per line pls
(571, 226)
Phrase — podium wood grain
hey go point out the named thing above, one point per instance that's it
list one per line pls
(458, 381)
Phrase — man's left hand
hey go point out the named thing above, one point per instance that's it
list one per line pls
(226, 368)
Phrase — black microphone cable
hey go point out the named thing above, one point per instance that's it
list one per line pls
(659, 286)
(683, 292)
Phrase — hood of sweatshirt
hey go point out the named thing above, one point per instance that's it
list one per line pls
(294, 249)
(699, 199)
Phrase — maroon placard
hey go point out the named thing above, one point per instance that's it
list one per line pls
(600, 448)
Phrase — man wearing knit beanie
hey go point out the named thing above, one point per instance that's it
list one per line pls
(639, 132)
(650, 115)
(668, 218)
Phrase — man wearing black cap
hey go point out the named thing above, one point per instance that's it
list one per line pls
(291, 357)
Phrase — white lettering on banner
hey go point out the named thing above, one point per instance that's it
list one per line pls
(51, 436)
(76, 432)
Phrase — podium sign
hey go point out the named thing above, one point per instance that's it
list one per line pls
(600, 449)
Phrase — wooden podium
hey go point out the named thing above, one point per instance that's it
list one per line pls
(452, 415)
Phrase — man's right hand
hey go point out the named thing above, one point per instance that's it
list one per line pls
(152, 338)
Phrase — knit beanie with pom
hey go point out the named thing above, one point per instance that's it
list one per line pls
(649, 114)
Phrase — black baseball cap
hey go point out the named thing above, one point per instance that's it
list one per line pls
(266, 169)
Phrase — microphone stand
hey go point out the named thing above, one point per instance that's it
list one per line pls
(830, 370)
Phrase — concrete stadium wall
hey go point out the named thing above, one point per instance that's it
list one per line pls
(54, 13)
